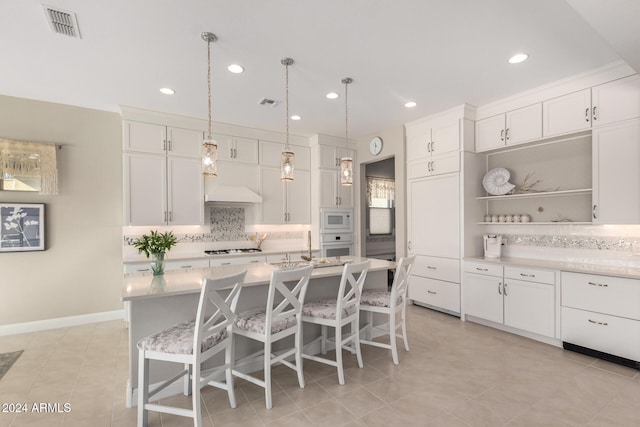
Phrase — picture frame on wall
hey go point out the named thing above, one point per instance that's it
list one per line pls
(22, 227)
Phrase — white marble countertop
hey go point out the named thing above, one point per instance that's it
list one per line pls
(144, 285)
(576, 267)
(182, 255)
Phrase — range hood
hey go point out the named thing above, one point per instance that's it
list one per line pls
(231, 194)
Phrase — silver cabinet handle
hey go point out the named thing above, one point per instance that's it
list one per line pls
(506, 134)
(170, 216)
(428, 147)
(593, 114)
(482, 269)
(185, 266)
(500, 288)
(527, 275)
(595, 212)
(586, 115)
(431, 292)
(598, 323)
(433, 146)
(502, 135)
(165, 216)
(409, 245)
(225, 263)
(504, 288)
(170, 146)
(430, 267)
(164, 145)
(143, 269)
(601, 285)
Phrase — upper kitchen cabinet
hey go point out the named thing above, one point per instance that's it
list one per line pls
(234, 148)
(330, 192)
(514, 127)
(432, 138)
(285, 202)
(616, 176)
(160, 139)
(607, 103)
(329, 156)
(270, 155)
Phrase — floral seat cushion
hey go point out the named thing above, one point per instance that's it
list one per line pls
(325, 309)
(378, 298)
(178, 339)
(255, 321)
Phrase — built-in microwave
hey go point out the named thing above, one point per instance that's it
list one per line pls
(334, 220)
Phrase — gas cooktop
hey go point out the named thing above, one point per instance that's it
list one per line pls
(232, 251)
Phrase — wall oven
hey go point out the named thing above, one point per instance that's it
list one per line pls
(335, 220)
(336, 244)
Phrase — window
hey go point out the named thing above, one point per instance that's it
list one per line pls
(381, 194)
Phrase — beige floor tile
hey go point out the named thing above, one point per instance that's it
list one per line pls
(242, 416)
(298, 419)
(329, 413)
(282, 406)
(310, 395)
(361, 402)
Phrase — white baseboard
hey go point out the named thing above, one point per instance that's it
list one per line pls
(60, 322)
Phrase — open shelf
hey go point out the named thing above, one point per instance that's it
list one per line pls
(536, 223)
(538, 194)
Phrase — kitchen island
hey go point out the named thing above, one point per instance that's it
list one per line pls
(157, 302)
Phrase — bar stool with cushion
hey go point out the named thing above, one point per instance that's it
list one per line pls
(280, 319)
(338, 312)
(380, 301)
(191, 343)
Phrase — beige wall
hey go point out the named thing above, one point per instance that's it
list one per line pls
(81, 270)
(393, 146)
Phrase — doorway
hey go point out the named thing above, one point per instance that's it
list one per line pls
(379, 223)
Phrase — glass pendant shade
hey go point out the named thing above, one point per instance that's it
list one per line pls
(287, 164)
(346, 171)
(209, 158)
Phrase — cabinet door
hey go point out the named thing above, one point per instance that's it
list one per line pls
(185, 196)
(246, 150)
(184, 142)
(419, 169)
(434, 216)
(616, 175)
(530, 306)
(328, 188)
(524, 124)
(225, 146)
(144, 137)
(483, 297)
(345, 194)
(298, 198)
(617, 100)
(490, 133)
(273, 196)
(270, 155)
(418, 146)
(569, 113)
(445, 137)
(145, 189)
(327, 157)
(446, 163)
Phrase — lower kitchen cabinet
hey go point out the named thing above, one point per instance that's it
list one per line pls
(602, 313)
(436, 293)
(169, 265)
(520, 298)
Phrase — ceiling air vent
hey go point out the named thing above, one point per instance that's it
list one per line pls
(268, 102)
(62, 21)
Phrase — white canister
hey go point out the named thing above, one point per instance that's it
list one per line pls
(517, 218)
(494, 218)
(487, 218)
(502, 218)
(509, 218)
(525, 218)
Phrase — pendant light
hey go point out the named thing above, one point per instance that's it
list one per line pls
(287, 157)
(209, 146)
(346, 163)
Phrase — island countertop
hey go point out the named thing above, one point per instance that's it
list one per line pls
(137, 286)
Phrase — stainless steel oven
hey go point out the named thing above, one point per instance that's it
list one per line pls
(336, 244)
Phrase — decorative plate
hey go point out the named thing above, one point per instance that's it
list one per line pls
(496, 182)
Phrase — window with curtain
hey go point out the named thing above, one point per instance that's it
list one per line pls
(381, 194)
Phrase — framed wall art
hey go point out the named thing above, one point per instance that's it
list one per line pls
(21, 227)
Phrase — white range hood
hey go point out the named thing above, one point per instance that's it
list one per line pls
(231, 194)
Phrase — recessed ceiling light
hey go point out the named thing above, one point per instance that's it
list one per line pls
(518, 58)
(235, 68)
(295, 117)
(410, 104)
(332, 95)
(167, 91)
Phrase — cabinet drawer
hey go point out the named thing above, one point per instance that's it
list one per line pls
(530, 275)
(418, 169)
(610, 334)
(437, 268)
(186, 264)
(483, 268)
(445, 295)
(603, 294)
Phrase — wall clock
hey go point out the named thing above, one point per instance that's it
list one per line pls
(375, 146)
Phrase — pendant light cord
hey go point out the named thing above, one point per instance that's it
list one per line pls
(286, 74)
(209, 84)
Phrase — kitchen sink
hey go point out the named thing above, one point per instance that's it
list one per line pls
(315, 263)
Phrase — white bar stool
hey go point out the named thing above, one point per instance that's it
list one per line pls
(389, 303)
(338, 312)
(280, 319)
(192, 343)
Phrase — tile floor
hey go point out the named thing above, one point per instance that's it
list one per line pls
(457, 374)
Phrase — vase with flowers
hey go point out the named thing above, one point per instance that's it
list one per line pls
(155, 245)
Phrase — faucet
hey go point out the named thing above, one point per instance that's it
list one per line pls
(287, 258)
(309, 257)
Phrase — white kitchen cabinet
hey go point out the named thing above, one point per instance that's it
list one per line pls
(237, 149)
(616, 175)
(436, 165)
(602, 313)
(439, 294)
(160, 139)
(285, 203)
(332, 192)
(216, 262)
(616, 101)
(329, 156)
(162, 190)
(270, 155)
(568, 113)
(433, 138)
(512, 128)
(520, 298)
(169, 265)
(434, 216)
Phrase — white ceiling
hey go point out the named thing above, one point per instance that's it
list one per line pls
(439, 53)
